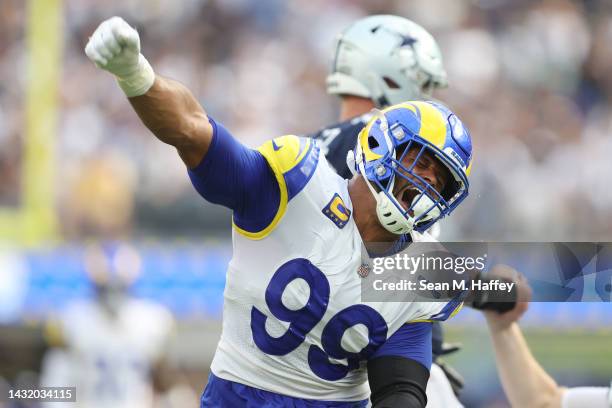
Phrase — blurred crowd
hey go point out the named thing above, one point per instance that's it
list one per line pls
(530, 78)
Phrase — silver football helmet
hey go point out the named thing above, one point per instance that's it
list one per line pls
(388, 59)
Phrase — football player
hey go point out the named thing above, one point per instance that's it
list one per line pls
(112, 347)
(295, 332)
(378, 61)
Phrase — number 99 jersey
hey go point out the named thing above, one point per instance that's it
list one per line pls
(293, 320)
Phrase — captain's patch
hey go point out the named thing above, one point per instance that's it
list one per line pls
(337, 211)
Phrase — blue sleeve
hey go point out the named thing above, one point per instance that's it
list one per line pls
(239, 178)
(412, 340)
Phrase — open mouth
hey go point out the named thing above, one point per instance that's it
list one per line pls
(406, 196)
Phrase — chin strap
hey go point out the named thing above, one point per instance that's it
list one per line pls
(350, 162)
(389, 216)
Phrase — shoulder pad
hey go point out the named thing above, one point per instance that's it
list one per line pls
(293, 160)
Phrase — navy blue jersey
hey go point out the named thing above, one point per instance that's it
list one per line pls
(336, 140)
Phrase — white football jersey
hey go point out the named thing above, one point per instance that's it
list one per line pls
(293, 319)
(109, 359)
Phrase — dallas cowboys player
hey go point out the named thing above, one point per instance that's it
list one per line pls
(295, 332)
(378, 61)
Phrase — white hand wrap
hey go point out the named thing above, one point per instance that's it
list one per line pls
(115, 47)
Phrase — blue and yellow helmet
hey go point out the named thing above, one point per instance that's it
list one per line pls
(382, 146)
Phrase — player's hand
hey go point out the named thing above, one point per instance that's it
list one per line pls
(500, 321)
(115, 47)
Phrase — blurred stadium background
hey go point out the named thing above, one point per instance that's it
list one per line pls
(532, 79)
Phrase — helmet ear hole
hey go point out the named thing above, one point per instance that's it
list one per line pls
(372, 143)
(391, 83)
(450, 189)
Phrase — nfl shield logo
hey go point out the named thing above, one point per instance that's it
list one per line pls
(363, 270)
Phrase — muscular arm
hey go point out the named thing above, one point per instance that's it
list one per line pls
(222, 169)
(175, 117)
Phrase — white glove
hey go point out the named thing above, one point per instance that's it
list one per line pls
(115, 47)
